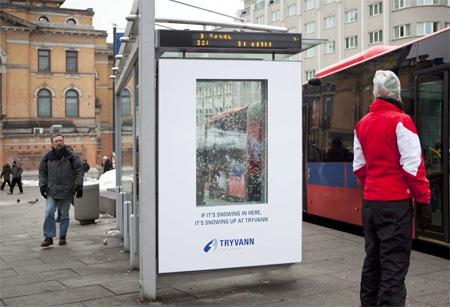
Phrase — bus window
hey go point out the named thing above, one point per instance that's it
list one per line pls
(231, 158)
(430, 128)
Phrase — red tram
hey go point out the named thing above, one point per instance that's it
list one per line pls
(332, 109)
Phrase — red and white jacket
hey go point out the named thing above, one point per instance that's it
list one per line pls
(388, 157)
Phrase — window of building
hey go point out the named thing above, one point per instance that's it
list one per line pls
(71, 61)
(309, 74)
(125, 102)
(259, 5)
(310, 27)
(375, 37)
(71, 103)
(329, 22)
(292, 30)
(427, 2)
(351, 16)
(310, 53)
(330, 47)
(71, 21)
(292, 10)
(402, 31)
(44, 101)
(310, 4)
(275, 16)
(424, 28)
(447, 24)
(351, 42)
(260, 20)
(399, 4)
(44, 60)
(328, 1)
(375, 9)
(43, 19)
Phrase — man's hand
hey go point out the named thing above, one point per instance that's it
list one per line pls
(424, 215)
(79, 191)
(44, 191)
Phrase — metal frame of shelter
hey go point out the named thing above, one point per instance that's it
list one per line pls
(136, 59)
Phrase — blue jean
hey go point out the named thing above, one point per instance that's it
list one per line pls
(49, 220)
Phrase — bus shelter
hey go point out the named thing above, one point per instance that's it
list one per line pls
(208, 158)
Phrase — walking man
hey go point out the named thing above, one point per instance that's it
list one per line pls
(389, 164)
(60, 178)
(6, 174)
(16, 172)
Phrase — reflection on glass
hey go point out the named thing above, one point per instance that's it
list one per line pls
(126, 122)
(231, 157)
(430, 128)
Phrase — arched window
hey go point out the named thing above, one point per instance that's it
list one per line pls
(71, 21)
(43, 19)
(71, 103)
(125, 101)
(44, 103)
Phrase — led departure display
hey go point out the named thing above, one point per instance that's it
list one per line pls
(217, 41)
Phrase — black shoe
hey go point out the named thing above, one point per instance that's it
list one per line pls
(47, 242)
(57, 220)
(62, 241)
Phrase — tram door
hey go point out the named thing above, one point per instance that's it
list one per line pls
(432, 118)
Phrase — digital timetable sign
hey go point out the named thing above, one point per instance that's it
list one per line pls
(217, 41)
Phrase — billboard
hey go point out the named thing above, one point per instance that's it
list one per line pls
(229, 164)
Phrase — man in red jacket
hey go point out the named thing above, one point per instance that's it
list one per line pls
(389, 164)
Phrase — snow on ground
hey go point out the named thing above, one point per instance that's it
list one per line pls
(106, 181)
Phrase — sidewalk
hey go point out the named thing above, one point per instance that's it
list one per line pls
(88, 272)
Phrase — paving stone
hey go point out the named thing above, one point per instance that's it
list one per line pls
(431, 299)
(34, 288)
(37, 277)
(417, 286)
(342, 298)
(18, 263)
(33, 269)
(68, 296)
(116, 283)
(131, 299)
(8, 273)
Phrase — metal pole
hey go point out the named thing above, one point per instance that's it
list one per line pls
(134, 232)
(147, 150)
(114, 94)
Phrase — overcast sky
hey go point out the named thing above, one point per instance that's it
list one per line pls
(108, 12)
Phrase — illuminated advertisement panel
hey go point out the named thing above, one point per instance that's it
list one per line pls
(229, 164)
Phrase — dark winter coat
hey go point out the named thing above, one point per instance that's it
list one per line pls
(16, 171)
(6, 172)
(107, 166)
(86, 167)
(61, 175)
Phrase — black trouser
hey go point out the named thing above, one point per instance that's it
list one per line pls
(388, 234)
(13, 184)
(6, 181)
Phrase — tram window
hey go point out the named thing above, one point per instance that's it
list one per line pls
(231, 159)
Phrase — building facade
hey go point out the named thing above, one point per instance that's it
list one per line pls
(351, 26)
(54, 73)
